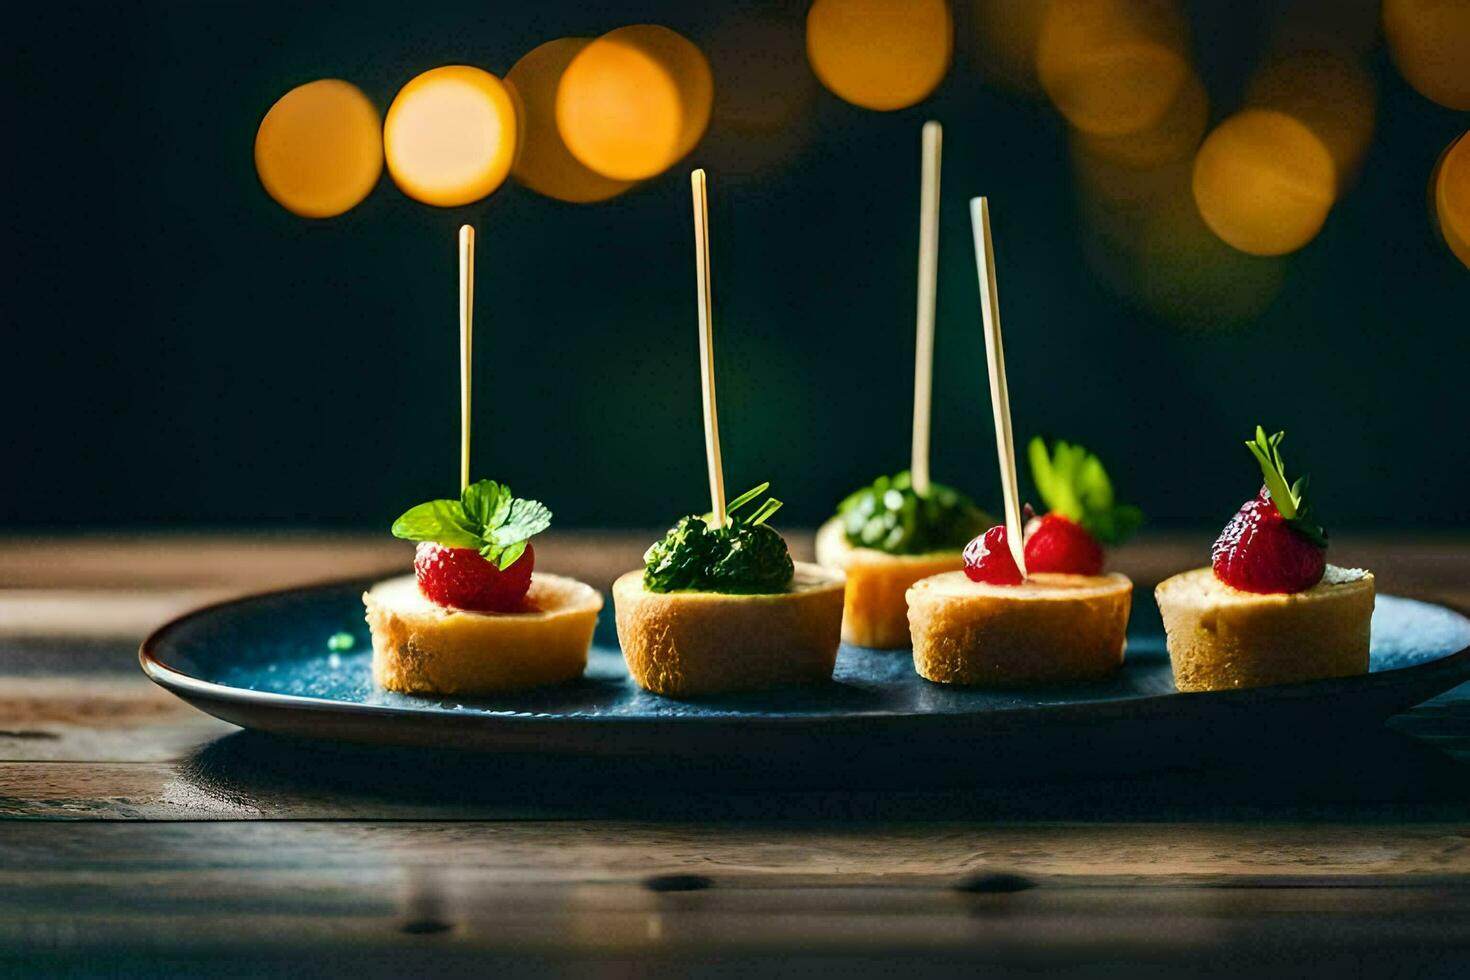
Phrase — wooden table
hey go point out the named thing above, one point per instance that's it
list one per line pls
(140, 837)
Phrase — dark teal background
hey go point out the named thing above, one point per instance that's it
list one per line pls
(179, 350)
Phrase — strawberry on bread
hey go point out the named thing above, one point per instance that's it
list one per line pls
(474, 618)
(1271, 544)
(1269, 609)
(1060, 621)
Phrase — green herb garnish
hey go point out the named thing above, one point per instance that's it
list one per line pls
(890, 515)
(1290, 498)
(745, 557)
(486, 517)
(1073, 483)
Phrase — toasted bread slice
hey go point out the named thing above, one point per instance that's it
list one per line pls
(421, 647)
(1221, 638)
(690, 643)
(875, 612)
(1051, 629)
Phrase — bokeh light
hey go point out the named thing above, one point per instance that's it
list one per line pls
(1144, 239)
(1007, 34)
(1174, 137)
(690, 70)
(1430, 43)
(1333, 96)
(1264, 182)
(634, 101)
(1189, 276)
(450, 136)
(319, 150)
(543, 163)
(1113, 66)
(1119, 185)
(880, 54)
(1451, 195)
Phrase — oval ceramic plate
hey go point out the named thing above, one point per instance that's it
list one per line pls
(264, 663)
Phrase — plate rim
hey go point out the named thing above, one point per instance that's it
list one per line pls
(189, 687)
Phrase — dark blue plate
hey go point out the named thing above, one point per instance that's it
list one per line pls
(264, 663)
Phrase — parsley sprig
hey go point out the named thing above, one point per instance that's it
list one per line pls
(745, 556)
(1073, 483)
(1290, 498)
(487, 517)
(889, 515)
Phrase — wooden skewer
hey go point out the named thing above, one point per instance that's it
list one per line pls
(466, 345)
(928, 277)
(995, 359)
(706, 349)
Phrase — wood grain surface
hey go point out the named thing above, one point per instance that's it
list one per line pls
(139, 837)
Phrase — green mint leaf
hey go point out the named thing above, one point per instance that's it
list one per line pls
(504, 557)
(441, 521)
(523, 519)
(1290, 498)
(1126, 520)
(487, 518)
(487, 502)
(1268, 455)
(1093, 486)
(1042, 473)
(1073, 482)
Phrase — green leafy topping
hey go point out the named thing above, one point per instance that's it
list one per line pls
(486, 517)
(1073, 483)
(1290, 498)
(746, 556)
(890, 515)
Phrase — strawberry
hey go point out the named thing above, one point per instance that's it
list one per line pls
(461, 579)
(988, 559)
(475, 552)
(1083, 513)
(1056, 544)
(1271, 544)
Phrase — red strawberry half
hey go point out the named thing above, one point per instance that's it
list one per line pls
(988, 559)
(1056, 544)
(1272, 544)
(1083, 511)
(1261, 551)
(461, 579)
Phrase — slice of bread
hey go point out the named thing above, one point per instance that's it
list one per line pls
(421, 647)
(875, 611)
(1221, 638)
(682, 644)
(1051, 629)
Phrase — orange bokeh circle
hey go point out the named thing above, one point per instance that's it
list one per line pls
(450, 136)
(319, 149)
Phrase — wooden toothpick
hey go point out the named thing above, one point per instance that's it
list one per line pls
(995, 358)
(928, 277)
(466, 345)
(706, 349)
